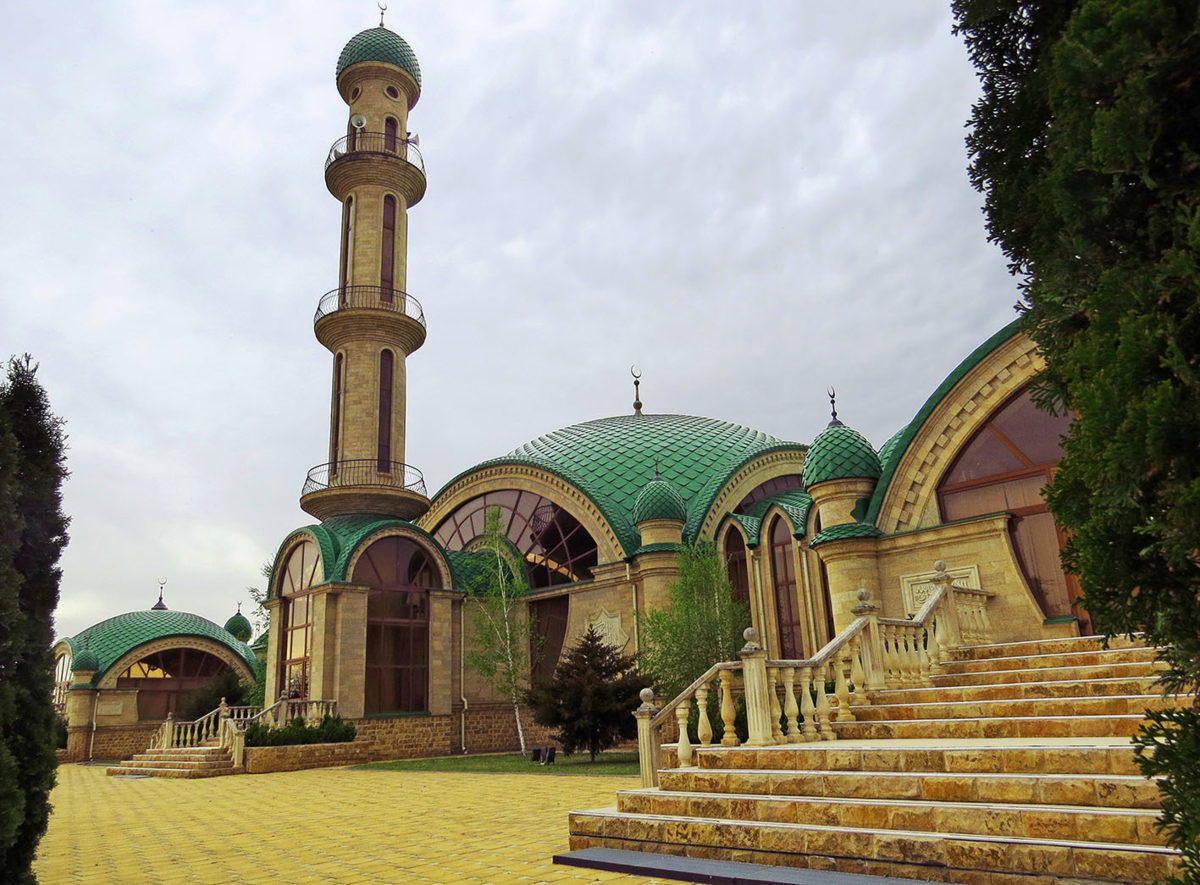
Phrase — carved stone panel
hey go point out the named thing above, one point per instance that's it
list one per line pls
(609, 627)
(915, 589)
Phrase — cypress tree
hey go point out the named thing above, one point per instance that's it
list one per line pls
(32, 537)
(591, 697)
(1086, 145)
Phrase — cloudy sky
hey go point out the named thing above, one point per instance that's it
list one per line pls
(751, 201)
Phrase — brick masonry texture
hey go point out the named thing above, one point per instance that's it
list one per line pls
(111, 742)
(262, 760)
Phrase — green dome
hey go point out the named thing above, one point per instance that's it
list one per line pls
(659, 500)
(238, 627)
(840, 452)
(110, 640)
(86, 660)
(606, 460)
(380, 44)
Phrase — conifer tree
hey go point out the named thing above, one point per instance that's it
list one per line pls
(32, 537)
(1086, 145)
(591, 697)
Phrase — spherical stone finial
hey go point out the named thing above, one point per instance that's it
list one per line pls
(750, 635)
(864, 595)
(659, 499)
(940, 565)
(647, 695)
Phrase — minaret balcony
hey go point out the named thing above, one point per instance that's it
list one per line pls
(364, 485)
(375, 158)
(355, 313)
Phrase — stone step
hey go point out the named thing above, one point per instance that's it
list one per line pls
(195, 751)
(1038, 662)
(154, 771)
(1043, 647)
(1114, 705)
(992, 727)
(911, 854)
(174, 764)
(1091, 790)
(1131, 670)
(183, 756)
(961, 757)
(1142, 685)
(1073, 823)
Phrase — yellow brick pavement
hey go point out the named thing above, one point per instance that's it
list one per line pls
(331, 825)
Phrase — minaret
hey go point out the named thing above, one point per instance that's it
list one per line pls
(368, 321)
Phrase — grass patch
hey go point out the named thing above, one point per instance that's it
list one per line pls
(620, 763)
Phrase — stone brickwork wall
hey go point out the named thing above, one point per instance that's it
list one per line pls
(263, 760)
(112, 742)
(493, 729)
(405, 737)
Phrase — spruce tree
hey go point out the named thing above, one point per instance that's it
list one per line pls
(32, 537)
(591, 697)
(1086, 145)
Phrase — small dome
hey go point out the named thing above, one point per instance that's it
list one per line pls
(239, 627)
(86, 660)
(840, 452)
(659, 500)
(380, 44)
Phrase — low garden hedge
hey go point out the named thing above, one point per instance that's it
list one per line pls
(332, 730)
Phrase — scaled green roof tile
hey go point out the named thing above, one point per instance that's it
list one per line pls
(793, 502)
(659, 500)
(840, 452)
(846, 530)
(112, 639)
(610, 460)
(380, 44)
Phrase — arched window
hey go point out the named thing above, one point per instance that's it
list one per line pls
(557, 549)
(387, 253)
(62, 682)
(736, 564)
(386, 367)
(1004, 468)
(399, 573)
(335, 420)
(787, 601)
(390, 131)
(775, 484)
(347, 245)
(163, 679)
(301, 571)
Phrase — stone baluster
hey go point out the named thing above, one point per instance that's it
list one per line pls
(985, 623)
(790, 709)
(728, 712)
(703, 726)
(913, 638)
(891, 658)
(649, 739)
(807, 708)
(684, 745)
(169, 731)
(841, 663)
(919, 637)
(776, 712)
(823, 707)
(934, 647)
(857, 673)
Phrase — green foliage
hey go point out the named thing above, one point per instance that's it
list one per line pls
(60, 733)
(591, 697)
(332, 730)
(700, 625)
(1086, 143)
(33, 533)
(207, 698)
(259, 617)
(254, 693)
(500, 650)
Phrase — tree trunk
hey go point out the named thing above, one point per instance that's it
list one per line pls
(520, 730)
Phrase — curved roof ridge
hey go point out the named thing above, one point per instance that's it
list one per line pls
(895, 447)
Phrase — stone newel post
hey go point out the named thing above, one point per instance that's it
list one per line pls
(872, 644)
(952, 635)
(649, 748)
(758, 696)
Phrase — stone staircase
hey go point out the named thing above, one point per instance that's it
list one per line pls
(207, 760)
(1014, 768)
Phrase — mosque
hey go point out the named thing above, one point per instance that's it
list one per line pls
(370, 605)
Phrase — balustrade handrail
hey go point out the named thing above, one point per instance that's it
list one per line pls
(828, 649)
(370, 297)
(364, 472)
(688, 692)
(384, 143)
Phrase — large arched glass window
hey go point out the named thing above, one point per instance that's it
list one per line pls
(62, 682)
(557, 549)
(1004, 468)
(300, 573)
(387, 254)
(163, 679)
(736, 564)
(787, 600)
(399, 573)
(770, 487)
(386, 373)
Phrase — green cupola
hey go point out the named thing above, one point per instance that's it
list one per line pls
(239, 627)
(86, 660)
(659, 500)
(380, 44)
(840, 452)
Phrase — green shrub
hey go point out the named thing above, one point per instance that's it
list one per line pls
(60, 733)
(332, 730)
(208, 697)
